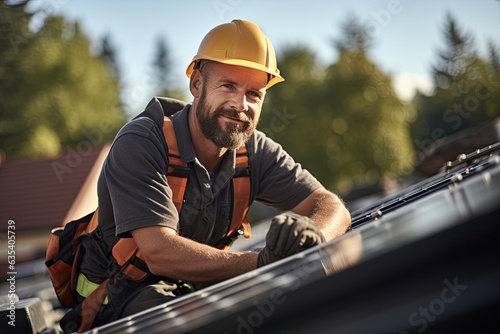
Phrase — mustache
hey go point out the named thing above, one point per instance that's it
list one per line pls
(241, 116)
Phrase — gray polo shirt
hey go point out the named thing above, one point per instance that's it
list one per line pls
(134, 192)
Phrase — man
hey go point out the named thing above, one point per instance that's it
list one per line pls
(229, 77)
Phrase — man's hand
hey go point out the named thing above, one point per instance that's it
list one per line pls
(289, 234)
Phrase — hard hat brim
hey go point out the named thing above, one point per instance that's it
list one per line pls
(275, 76)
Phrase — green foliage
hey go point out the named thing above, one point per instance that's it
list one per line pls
(343, 123)
(53, 90)
(369, 137)
(467, 90)
(291, 109)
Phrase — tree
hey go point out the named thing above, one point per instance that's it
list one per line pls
(108, 53)
(458, 54)
(161, 75)
(467, 90)
(492, 102)
(354, 38)
(369, 137)
(289, 113)
(494, 59)
(54, 91)
(343, 123)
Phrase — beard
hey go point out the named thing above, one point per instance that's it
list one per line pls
(230, 135)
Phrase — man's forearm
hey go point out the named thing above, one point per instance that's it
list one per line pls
(327, 211)
(170, 255)
(332, 217)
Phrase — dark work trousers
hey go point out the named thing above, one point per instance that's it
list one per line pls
(141, 299)
(149, 296)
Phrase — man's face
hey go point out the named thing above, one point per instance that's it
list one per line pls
(230, 103)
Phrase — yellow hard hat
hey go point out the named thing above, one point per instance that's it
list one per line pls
(239, 43)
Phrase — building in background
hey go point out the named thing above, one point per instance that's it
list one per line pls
(39, 195)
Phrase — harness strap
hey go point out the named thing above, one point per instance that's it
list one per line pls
(241, 194)
(129, 259)
(90, 227)
(91, 305)
(241, 198)
(94, 222)
(177, 170)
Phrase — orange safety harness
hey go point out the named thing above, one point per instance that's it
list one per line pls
(64, 247)
(177, 176)
(128, 257)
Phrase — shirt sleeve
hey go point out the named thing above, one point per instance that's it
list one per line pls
(281, 183)
(134, 173)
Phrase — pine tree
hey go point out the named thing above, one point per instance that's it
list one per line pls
(467, 90)
(108, 53)
(458, 54)
(163, 83)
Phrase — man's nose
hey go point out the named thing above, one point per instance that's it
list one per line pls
(239, 102)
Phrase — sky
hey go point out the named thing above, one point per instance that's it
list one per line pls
(407, 33)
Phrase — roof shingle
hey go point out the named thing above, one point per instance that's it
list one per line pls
(37, 194)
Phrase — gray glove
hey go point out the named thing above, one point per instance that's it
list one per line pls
(289, 234)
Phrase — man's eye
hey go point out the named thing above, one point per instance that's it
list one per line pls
(254, 94)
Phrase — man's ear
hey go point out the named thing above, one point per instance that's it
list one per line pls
(196, 83)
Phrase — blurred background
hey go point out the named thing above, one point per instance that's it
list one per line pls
(378, 94)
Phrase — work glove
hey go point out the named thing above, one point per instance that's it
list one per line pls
(289, 234)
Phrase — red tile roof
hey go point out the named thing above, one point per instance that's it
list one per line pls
(37, 194)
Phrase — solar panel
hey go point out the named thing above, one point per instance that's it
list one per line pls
(424, 259)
